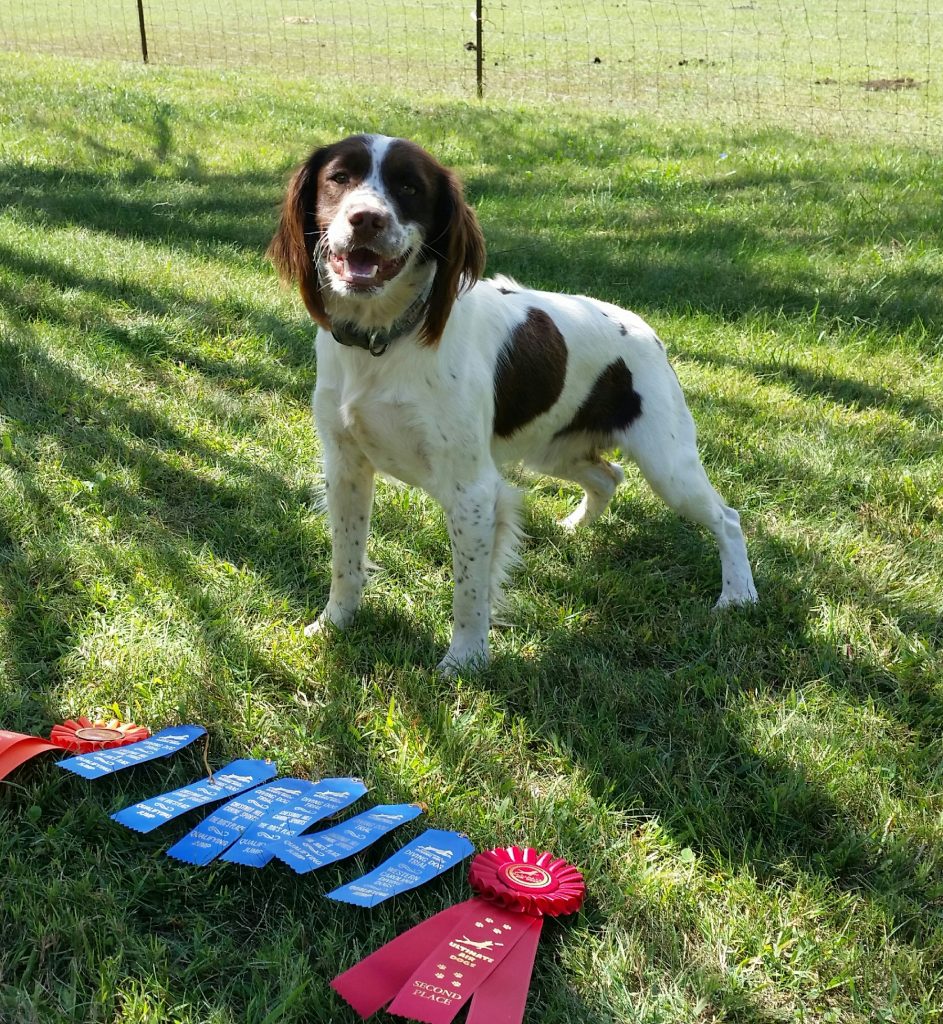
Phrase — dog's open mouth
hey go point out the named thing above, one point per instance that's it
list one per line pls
(364, 268)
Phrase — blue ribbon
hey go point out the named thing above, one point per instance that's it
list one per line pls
(162, 744)
(254, 849)
(310, 852)
(235, 778)
(224, 826)
(427, 856)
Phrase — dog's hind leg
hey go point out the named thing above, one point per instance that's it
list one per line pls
(599, 480)
(665, 450)
(584, 466)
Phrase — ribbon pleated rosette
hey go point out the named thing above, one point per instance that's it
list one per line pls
(83, 735)
(479, 953)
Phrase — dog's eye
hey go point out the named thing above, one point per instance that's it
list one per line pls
(340, 177)
(407, 189)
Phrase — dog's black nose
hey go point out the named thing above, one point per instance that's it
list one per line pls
(367, 218)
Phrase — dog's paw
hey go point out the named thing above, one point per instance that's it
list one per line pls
(464, 659)
(737, 598)
(575, 519)
(330, 618)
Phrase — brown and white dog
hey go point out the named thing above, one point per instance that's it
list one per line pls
(436, 377)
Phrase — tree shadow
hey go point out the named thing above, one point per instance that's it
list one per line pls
(124, 457)
(840, 389)
(679, 245)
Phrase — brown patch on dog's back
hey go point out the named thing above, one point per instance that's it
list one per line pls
(611, 405)
(530, 373)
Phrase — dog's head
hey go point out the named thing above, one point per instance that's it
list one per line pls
(366, 222)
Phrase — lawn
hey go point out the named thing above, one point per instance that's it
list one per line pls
(756, 798)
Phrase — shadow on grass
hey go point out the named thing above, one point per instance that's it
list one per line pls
(842, 390)
(665, 707)
(142, 486)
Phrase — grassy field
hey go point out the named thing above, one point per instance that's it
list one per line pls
(756, 798)
(818, 64)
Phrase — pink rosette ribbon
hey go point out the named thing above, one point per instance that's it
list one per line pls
(479, 953)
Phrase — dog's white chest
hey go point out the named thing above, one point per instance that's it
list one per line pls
(392, 436)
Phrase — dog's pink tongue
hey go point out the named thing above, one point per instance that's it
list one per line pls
(363, 262)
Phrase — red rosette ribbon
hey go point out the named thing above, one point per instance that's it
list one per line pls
(84, 735)
(528, 882)
(479, 953)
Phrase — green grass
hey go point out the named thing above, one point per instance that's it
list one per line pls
(790, 62)
(755, 797)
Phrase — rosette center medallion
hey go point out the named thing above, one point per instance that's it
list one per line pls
(528, 877)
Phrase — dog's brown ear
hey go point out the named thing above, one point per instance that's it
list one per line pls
(458, 248)
(292, 249)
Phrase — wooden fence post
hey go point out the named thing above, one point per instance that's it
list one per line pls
(479, 56)
(143, 30)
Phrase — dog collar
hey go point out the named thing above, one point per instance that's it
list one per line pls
(376, 342)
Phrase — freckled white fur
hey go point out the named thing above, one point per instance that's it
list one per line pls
(424, 415)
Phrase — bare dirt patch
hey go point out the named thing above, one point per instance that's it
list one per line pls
(890, 84)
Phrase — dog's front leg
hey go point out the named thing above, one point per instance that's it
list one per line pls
(348, 485)
(471, 516)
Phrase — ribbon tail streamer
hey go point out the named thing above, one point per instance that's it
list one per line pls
(503, 996)
(371, 984)
(15, 748)
(454, 971)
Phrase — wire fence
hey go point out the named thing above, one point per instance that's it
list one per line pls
(867, 65)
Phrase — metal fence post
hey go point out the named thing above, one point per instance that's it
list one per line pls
(479, 56)
(143, 30)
